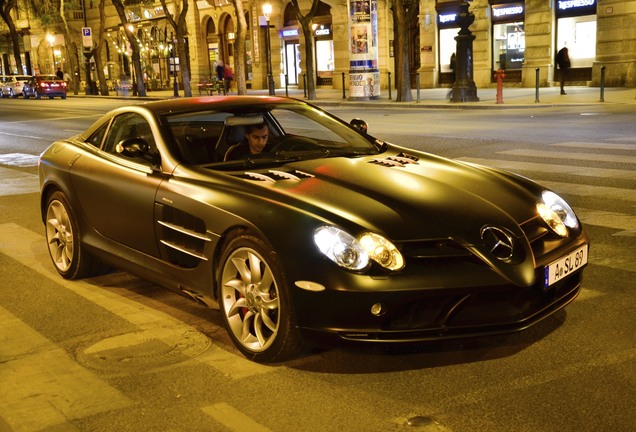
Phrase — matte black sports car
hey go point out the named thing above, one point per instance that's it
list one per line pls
(328, 232)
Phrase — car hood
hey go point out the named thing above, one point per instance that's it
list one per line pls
(404, 197)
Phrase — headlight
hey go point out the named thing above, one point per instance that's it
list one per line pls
(356, 253)
(557, 213)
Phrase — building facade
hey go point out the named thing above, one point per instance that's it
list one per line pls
(521, 37)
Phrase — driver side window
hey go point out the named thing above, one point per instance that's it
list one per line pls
(129, 125)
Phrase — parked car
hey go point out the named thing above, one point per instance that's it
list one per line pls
(45, 85)
(327, 233)
(3, 79)
(12, 87)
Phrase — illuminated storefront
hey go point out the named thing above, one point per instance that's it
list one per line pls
(576, 30)
(508, 38)
(448, 27)
(325, 58)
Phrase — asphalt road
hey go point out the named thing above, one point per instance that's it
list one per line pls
(116, 353)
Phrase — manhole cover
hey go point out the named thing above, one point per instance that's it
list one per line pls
(144, 350)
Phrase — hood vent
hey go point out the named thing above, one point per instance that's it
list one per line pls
(399, 160)
(272, 176)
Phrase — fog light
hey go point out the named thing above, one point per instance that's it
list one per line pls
(378, 309)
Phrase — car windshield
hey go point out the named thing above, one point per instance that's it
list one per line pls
(287, 132)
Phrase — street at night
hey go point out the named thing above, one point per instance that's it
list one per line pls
(117, 353)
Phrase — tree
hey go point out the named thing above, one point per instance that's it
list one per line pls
(403, 13)
(134, 45)
(97, 52)
(305, 25)
(239, 47)
(178, 23)
(6, 6)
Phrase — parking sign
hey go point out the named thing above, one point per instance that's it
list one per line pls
(87, 37)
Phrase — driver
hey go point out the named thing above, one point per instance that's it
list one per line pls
(254, 143)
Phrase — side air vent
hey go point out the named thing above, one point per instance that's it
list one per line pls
(183, 237)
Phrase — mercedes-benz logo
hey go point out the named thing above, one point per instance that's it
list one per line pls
(498, 241)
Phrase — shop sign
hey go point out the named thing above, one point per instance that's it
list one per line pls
(510, 11)
(290, 32)
(323, 31)
(447, 18)
(569, 8)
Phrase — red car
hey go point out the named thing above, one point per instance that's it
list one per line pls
(45, 85)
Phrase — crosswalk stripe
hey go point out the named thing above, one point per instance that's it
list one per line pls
(570, 156)
(29, 249)
(598, 146)
(40, 377)
(589, 190)
(233, 419)
(14, 182)
(518, 166)
(614, 220)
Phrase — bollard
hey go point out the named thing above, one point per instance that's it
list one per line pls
(286, 86)
(536, 92)
(499, 76)
(389, 85)
(602, 83)
(344, 96)
(305, 85)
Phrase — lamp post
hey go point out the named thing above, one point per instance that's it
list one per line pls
(267, 12)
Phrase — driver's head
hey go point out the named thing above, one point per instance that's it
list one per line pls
(256, 136)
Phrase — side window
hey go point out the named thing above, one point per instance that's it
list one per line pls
(97, 138)
(129, 125)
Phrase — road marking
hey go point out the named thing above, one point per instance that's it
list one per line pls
(591, 191)
(552, 168)
(232, 418)
(39, 377)
(599, 146)
(605, 219)
(13, 182)
(570, 155)
(19, 159)
(23, 136)
(29, 248)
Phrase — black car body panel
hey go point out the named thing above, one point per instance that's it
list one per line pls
(168, 221)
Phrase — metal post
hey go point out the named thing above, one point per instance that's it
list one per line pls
(417, 81)
(286, 85)
(536, 91)
(344, 96)
(305, 85)
(602, 83)
(270, 77)
(175, 85)
(389, 85)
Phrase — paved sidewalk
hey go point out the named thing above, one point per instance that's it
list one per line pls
(513, 97)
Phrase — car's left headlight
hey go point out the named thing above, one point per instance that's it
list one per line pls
(557, 213)
(355, 253)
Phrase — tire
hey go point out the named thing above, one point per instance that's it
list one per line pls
(63, 96)
(254, 301)
(25, 95)
(12, 93)
(63, 239)
(38, 95)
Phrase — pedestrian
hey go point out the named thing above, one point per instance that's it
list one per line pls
(563, 61)
(59, 73)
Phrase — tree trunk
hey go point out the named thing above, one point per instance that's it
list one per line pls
(239, 49)
(132, 39)
(99, 64)
(5, 13)
(310, 59)
(401, 46)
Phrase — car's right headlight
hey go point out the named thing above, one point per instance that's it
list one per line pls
(356, 253)
(556, 213)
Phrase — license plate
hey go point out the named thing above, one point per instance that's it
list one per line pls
(565, 266)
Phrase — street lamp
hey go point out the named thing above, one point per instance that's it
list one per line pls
(267, 12)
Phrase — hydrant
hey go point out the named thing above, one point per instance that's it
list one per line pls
(499, 76)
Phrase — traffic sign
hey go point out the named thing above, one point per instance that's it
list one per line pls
(87, 37)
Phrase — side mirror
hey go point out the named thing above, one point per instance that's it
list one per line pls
(360, 125)
(137, 148)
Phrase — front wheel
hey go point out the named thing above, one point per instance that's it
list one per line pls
(63, 240)
(255, 301)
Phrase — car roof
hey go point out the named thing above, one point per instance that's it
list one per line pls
(176, 106)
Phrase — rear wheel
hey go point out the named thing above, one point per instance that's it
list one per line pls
(38, 95)
(255, 301)
(63, 240)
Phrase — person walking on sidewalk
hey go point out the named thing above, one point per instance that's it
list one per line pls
(563, 61)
